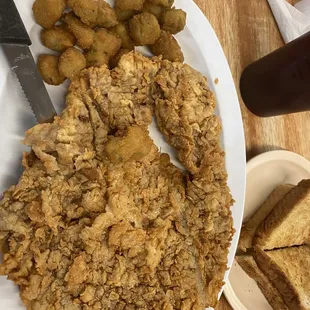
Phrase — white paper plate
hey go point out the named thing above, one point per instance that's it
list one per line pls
(202, 51)
(264, 173)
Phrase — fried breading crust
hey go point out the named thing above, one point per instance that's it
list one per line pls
(100, 219)
(167, 46)
(48, 68)
(57, 38)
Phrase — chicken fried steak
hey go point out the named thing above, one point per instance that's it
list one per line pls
(100, 219)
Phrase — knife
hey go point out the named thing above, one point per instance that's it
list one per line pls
(15, 43)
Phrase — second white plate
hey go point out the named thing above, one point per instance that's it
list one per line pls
(264, 173)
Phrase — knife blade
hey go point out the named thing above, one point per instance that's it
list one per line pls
(15, 43)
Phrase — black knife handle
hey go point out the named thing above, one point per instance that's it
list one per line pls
(12, 29)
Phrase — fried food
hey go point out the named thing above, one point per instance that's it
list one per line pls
(48, 68)
(173, 20)
(134, 146)
(197, 118)
(71, 62)
(115, 59)
(168, 47)
(47, 12)
(106, 15)
(125, 5)
(144, 29)
(122, 31)
(86, 10)
(57, 38)
(96, 58)
(91, 226)
(83, 33)
(106, 42)
(124, 16)
(156, 10)
(165, 3)
(94, 12)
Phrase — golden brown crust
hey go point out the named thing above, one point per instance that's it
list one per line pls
(188, 123)
(121, 30)
(99, 222)
(288, 270)
(173, 20)
(94, 12)
(106, 15)
(83, 33)
(96, 58)
(48, 68)
(48, 12)
(57, 38)
(289, 222)
(167, 46)
(164, 3)
(71, 62)
(124, 16)
(115, 59)
(144, 29)
(156, 10)
(86, 10)
(127, 5)
(106, 42)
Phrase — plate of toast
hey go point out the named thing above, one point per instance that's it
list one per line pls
(271, 268)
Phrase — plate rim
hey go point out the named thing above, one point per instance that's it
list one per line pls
(276, 155)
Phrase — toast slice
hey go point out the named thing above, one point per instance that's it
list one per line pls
(248, 264)
(288, 224)
(249, 228)
(289, 271)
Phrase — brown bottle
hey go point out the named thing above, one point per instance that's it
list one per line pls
(279, 83)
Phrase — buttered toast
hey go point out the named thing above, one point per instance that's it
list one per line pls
(289, 271)
(248, 264)
(288, 224)
(249, 228)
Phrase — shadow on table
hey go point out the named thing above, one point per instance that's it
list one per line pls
(252, 152)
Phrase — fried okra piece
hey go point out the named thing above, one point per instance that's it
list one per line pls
(173, 20)
(125, 5)
(122, 31)
(57, 38)
(83, 33)
(124, 16)
(156, 10)
(47, 12)
(48, 68)
(135, 145)
(71, 62)
(65, 27)
(94, 12)
(106, 42)
(168, 47)
(106, 16)
(114, 60)
(96, 58)
(166, 3)
(85, 10)
(144, 29)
